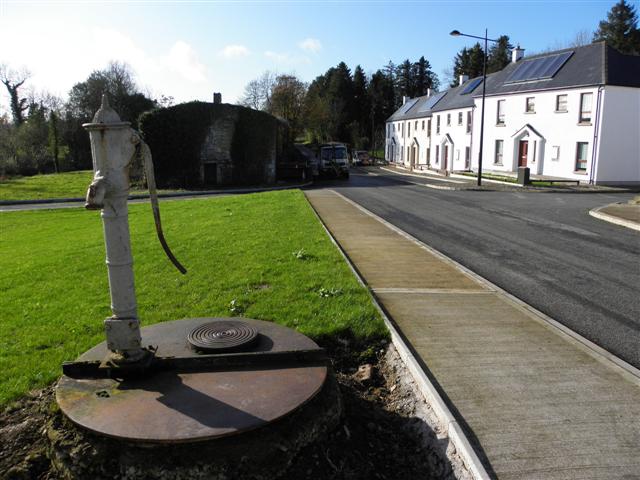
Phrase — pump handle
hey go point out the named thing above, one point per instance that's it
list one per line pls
(153, 194)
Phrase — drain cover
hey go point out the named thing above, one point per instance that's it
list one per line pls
(223, 336)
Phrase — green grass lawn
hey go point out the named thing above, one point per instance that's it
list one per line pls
(267, 251)
(58, 185)
(37, 187)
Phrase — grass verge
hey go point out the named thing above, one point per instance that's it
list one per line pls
(51, 186)
(264, 256)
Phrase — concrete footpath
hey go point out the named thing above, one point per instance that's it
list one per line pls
(623, 214)
(535, 401)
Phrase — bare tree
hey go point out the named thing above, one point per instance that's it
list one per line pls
(13, 80)
(581, 38)
(257, 93)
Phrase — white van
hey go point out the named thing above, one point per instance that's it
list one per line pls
(334, 160)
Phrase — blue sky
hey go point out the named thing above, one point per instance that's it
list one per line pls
(190, 49)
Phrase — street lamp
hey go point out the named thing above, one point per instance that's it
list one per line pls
(456, 33)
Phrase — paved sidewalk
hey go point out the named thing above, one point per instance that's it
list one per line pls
(624, 214)
(536, 403)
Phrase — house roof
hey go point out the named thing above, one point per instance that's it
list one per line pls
(589, 65)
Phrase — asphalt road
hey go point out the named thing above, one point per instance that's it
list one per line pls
(543, 248)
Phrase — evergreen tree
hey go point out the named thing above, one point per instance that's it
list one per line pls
(620, 29)
(405, 79)
(362, 103)
(469, 61)
(424, 77)
(499, 55)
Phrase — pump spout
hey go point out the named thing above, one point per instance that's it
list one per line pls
(147, 161)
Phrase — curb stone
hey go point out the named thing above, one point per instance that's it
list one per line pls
(596, 213)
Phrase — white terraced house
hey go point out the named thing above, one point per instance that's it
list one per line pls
(572, 114)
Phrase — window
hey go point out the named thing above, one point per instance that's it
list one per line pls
(459, 118)
(581, 156)
(467, 157)
(561, 103)
(448, 119)
(437, 124)
(530, 105)
(585, 107)
(415, 127)
(437, 153)
(555, 152)
(469, 122)
(428, 156)
(402, 126)
(500, 113)
(499, 148)
(423, 125)
(429, 128)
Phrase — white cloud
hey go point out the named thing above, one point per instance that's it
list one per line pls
(312, 45)
(286, 58)
(234, 51)
(184, 60)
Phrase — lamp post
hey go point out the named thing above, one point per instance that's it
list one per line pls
(456, 33)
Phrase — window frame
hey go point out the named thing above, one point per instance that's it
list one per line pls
(460, 122)
(469, 121)
(437, 124)
(448, 119)
(500, 115)
(530, 105)
(579, 160)
(498, 152)
(566, 103)
(582, 118)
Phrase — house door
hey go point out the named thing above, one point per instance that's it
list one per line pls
(210, 174)
(445, 156)
(522, 153)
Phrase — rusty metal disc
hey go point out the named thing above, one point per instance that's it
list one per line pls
(170, 407)
(223, 336)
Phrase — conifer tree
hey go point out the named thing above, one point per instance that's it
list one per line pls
(620, 29)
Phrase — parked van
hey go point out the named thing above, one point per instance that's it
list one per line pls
(334, 160)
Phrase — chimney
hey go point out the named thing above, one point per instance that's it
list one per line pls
(217, 97)
(463, 78)
(428, 92)
(516, 54)
(404, 99)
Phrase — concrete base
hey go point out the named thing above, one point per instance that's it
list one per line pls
(263, 454)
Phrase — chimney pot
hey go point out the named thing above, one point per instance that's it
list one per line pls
(404, 99)
(463, 78)
(428, 92)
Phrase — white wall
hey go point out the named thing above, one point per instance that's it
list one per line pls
(557, 129)
(618, 159)
(458, 134)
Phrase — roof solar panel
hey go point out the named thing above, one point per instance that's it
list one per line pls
(431, 102)
(539, 68)
(407, 106)
(473, 84)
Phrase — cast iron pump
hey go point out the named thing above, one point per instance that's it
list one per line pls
(114, 146)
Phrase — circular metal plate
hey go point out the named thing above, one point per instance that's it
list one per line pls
(223, 336)
(170, 407)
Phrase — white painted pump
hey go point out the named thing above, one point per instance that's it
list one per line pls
(114, 145)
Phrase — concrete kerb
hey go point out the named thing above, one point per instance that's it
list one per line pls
(596, 213)
(428, 390)
(595, 351)
(197, 193)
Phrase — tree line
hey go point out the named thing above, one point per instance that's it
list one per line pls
(341, 104)
(44, 134)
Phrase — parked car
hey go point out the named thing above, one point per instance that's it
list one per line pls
(334, 160)
(361, 157)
